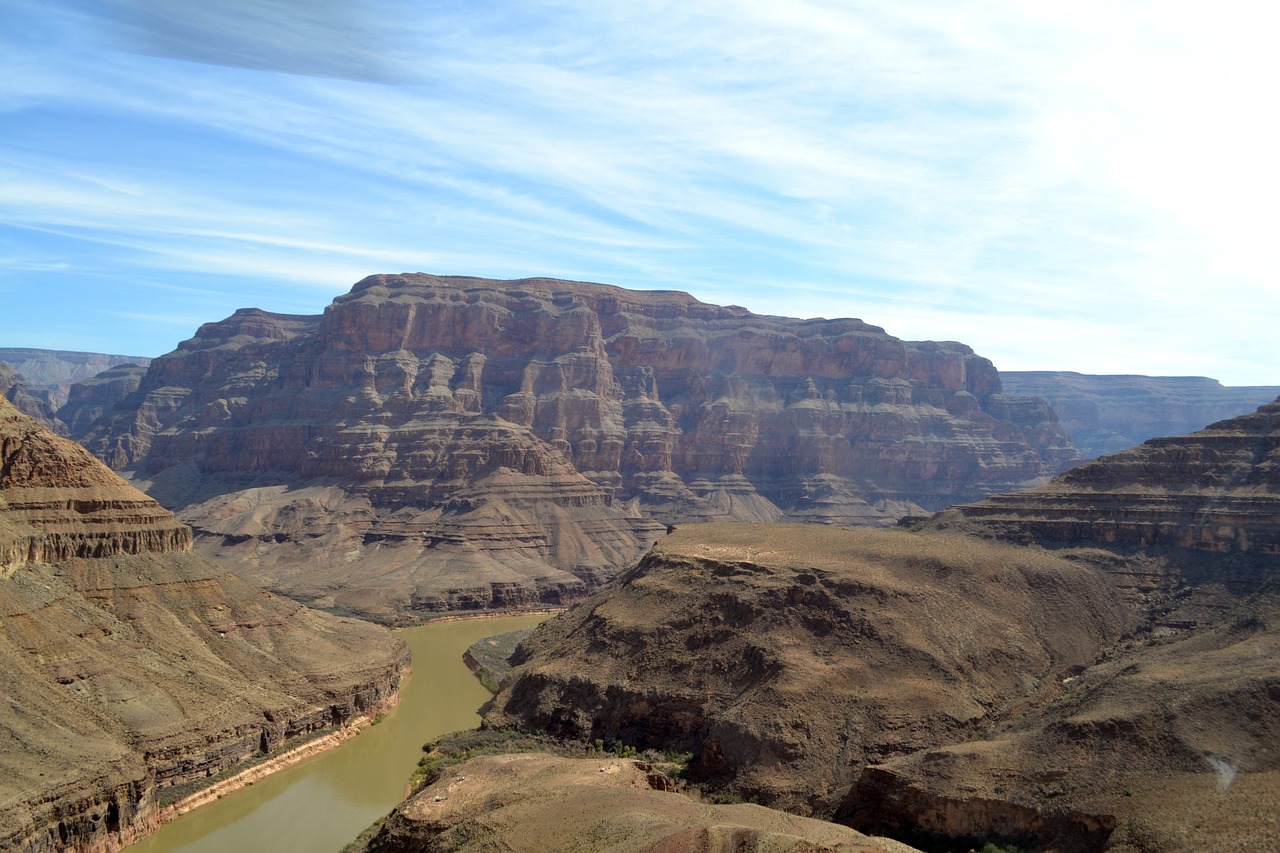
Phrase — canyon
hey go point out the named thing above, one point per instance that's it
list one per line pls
(133, 670)
(1106, 414)
(1084, 665)
(445, 443)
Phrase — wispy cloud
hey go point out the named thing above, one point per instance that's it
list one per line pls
(1052, 183)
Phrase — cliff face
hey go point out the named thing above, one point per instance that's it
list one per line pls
(491, 443)
(16, 391)
(51, 373)
(1211, 498)
(90, 399)
(129, 664)
(1106, 414)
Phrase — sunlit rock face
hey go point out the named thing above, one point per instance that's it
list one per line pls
(129, 664)
(1214, 493)
(474, 443)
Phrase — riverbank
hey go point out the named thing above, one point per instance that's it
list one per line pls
(320, 798)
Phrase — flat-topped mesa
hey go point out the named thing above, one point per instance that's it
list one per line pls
(60, 502)
(1216, 491)
(542, 431)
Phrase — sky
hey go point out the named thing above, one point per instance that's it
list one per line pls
(1087, 185)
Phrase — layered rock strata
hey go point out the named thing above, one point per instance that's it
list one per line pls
(476, 443)
(129, 665)
(34, 406)
(1106, 414)
(51, 373)
(1209, 501)
(90, 399)
(1164, 740)
(789, 657)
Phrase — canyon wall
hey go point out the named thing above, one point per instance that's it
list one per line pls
(475, 443)
(51, 373)
(131, 666)
(1106, 414)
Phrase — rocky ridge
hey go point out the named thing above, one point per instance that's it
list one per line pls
(1207, 500)
(789, 657)
(1160, 736)
(1106, 414)
(129, 665)
(476, 443)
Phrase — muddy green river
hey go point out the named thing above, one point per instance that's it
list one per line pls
(326, 801)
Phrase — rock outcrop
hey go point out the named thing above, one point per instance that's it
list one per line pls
(789, 657)
(51, 373)
(1209, 502)
(955, 722)
(1106, 414)
(90, 399)
(13, 389)
(475, 443)
(130, 665)
(535, 802)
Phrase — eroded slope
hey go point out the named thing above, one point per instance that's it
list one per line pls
(129, 664)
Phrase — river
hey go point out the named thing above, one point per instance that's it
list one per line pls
(326, 801)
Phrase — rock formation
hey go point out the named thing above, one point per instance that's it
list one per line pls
(537, 802)
(130, 666)
(1106, 414)
(947, 694)
(789, 657)
(92, 398)
(474, 443)
(13, 389)
(51, 373)
(1208, 501)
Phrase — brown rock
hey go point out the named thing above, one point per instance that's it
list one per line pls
(1208, 501)
(92, 398)
(534, 430)
(129, 665)
(536, 802)
(788, 657)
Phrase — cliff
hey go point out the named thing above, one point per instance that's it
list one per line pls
(1209, 502)
(130, 666)
(1106, 414)
(16, 391)
(51, 373)
(475, 443)
(91, 398)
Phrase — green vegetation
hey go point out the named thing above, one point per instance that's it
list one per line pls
(490, 658)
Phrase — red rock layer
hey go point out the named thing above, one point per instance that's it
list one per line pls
(537, 427)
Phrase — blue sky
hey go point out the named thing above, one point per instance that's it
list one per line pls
(1082, 186)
